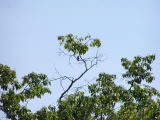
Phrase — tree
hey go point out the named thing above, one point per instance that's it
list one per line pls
(105, 99)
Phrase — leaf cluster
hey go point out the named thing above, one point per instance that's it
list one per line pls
(76, 45)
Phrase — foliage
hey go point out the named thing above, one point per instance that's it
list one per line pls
(105, 100)
(78, 45)
(13, 92)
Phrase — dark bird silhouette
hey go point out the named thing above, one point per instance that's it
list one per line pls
(77, 58)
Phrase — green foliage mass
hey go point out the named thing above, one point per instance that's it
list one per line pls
(78, 45)
(105, 100)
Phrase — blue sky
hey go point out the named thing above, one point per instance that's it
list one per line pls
(29, 30)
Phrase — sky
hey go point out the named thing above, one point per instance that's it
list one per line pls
(29, 30)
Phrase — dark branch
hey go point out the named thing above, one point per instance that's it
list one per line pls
(80, 76)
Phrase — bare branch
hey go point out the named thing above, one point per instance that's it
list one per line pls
(88, 63)
(84, 61)
(25, 88)
(76, 89)
(61, 52)
(80, 76)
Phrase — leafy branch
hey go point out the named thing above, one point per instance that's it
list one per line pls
(77, 48)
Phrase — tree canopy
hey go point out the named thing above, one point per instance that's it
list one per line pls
(104, 100)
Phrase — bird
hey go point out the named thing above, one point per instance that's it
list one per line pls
(77, 58)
